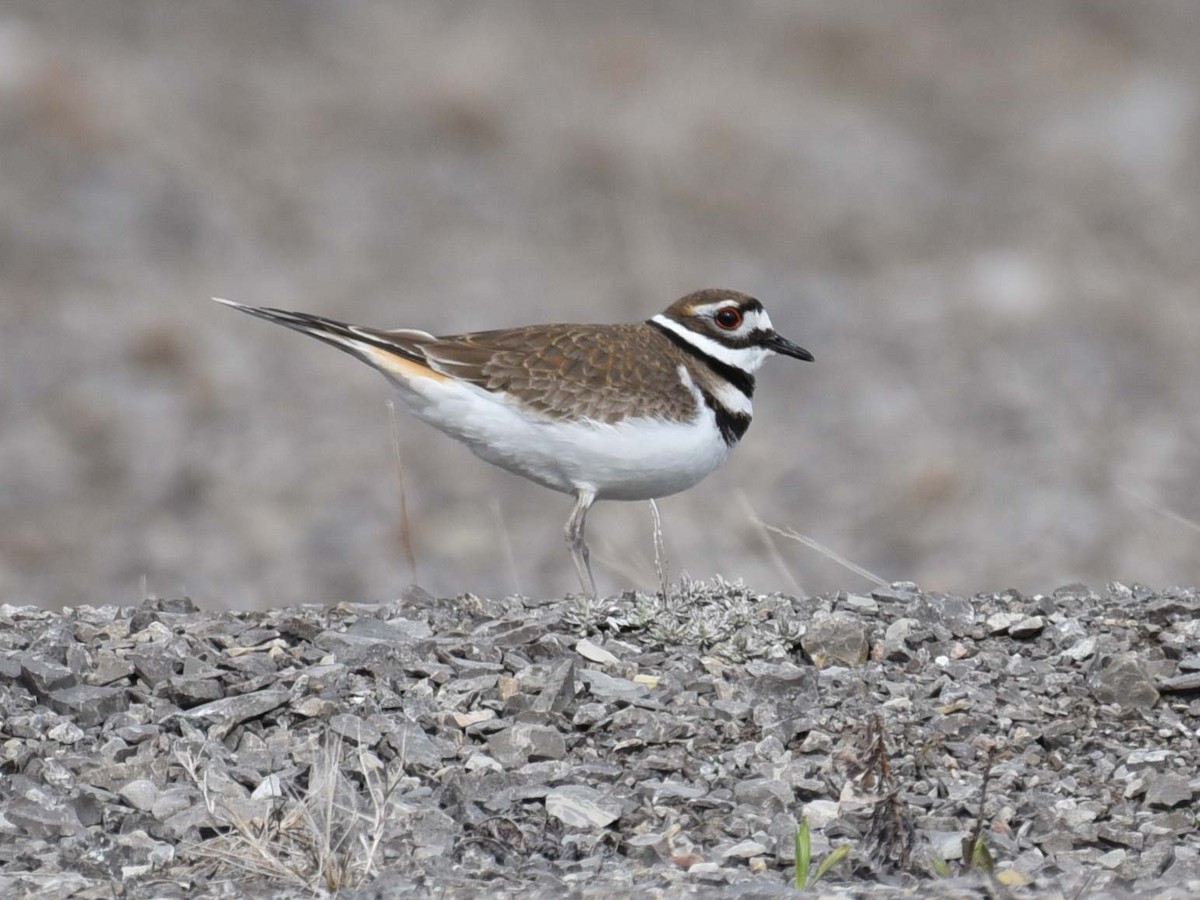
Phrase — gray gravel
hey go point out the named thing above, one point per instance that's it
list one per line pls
(504, 747)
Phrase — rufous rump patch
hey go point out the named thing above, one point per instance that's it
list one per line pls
(400, 366)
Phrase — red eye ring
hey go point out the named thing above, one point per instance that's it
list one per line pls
(729, 318)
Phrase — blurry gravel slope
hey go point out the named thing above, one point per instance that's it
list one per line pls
(981, 218)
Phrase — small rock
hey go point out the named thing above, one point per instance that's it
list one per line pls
(187, 823)
(1178, 822)
(188, 692)
(433, 833)
(481, 762)
(900, 630)
(1028, 627)
(368, 638)
(1153, 759)
(1168, 791)
(837, 639)
(418, 749)
(89, 705)
(1132, 839)
(141, 794)
(743, 850)
(896, 592)
(467, 719)
(1075, 815)
(732, 710)
(955, 614)
(820, 813)
(66, 733)
(662, 792)
(1081, 649)
(1181, 683)
(269, 787)
(647, 848)
(946, 845)
(1013, 878)
(608, 688)
(523, 742)
(353, 728)
(559, 691)
(588, 714)
(315, 707)
(595, 653)
(151, 667)
(43, 677)
(896, 640)
(578, 806)
(1124, 681)
(41, 820)
(108, 671)
(861, 605)
(525, 633)
(396, 630)
(172, 801)
(226, 713)
(507, 687)
(1001, 622)
(816, 742)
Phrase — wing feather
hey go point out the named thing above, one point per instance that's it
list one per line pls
(600, 372)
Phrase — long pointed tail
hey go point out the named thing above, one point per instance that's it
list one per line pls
(393, 353)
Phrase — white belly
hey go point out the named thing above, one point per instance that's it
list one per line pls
(636, 459)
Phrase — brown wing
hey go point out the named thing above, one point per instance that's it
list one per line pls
(600, 372)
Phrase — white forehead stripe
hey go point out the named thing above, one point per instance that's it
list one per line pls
(759, 320)
(748, 359)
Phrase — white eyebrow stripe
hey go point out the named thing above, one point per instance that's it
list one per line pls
(760, 319)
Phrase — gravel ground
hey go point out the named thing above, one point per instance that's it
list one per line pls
(467, 747)
(981, 217)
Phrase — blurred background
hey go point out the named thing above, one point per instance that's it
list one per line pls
(982, 218)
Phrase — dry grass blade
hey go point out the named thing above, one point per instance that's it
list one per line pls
(866, 763)
(824, 551)
(510, 557)
(975, 852)
(633, 567)
(1161, 510)
(892, 834)
(327, 838)
(773, 553)
(661, 565)
(405, 524)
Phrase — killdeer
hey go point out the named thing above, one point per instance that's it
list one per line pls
(602, 412)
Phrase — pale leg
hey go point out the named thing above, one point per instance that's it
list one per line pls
(584, 498)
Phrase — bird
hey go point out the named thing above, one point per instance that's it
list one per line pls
(628, 411)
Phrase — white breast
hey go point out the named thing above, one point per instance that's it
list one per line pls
(635, 459)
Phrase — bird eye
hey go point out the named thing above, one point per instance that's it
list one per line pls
(729, 318)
